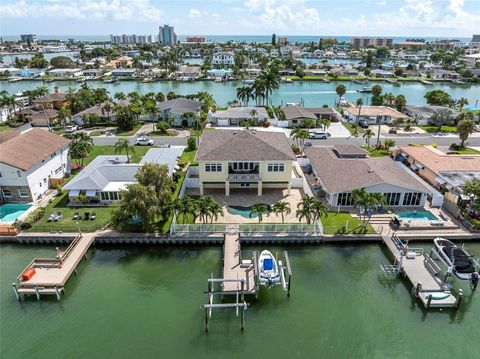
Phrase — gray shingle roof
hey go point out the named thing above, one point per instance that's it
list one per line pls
(345, 174)
(295, 112)
(180, 105)
(243, 145)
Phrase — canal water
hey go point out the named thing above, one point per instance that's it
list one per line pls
(145, 302)
(310, 93)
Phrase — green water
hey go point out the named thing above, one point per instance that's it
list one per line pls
(311, 93)
(145, 302)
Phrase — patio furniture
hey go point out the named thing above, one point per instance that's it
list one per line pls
(51, 217)
(93, 216)
(58, 216)
(77, 216)
(86, 216)
(438, 223)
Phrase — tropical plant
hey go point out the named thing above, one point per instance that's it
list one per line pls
(340, 90)
(123, 144)
(441, 117)
(245, 94)
(191, 143)
(63, 115)
(462, 101)
(325, 123)
(438, 98)
(281, 208)
(300, 135)
(126, 117)
(388, 143)
(465, 128)
(308, 123)
(258, 209)
(80, 146)
(365, 202)
(367, 135)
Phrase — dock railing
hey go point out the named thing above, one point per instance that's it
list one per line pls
(280, 229)
(198, 228)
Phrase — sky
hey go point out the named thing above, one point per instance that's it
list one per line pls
(427, 18)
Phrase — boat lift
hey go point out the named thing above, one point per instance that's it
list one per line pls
(285, 272)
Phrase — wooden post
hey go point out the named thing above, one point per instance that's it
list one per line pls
(242, 318)
(289, 283)
(429, 300)
(37, 292)
(206, 319)
(15, 290)
(57, 292)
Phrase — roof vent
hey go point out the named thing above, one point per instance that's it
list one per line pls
(370, 171)
(234, 132)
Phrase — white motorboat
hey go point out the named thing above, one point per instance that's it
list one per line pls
(458, 258)
(267, 265)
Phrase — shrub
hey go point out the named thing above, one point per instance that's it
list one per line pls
(59, 190)
(454, 147)
(25, 225)
(162, 126)
(266, 124)
(191, 143)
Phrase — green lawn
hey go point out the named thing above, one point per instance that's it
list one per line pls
(433, 129)
(158, 133)
(467, 151)
(377, 153)
(188, 157)
(130, 132)
(344, 223)
(67, 223)
(110, 150)
(349, 127)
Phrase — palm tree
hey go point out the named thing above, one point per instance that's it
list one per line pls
(64, 114)
(253, 114)
(244, 94)
(214, 210)
(259, 89)
(367, 135)
(300, 135)
(203, 205)
(318, 209)
(258, 209)
(465, 128)
(305, 209)
(281, 208)
(151, 108)
(270, 79)
(80, 146)
(364, 202)
(340, 90)
(462, 101)
(325, 123)
(124, 145)
(119, 96)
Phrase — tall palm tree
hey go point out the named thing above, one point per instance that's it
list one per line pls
(462, 101)
(270, 79)
(253, 114)
(259, 89)
(281, 208)
(215, 210)
(300, 135)
(367, 135)
(150, 106)
(318, 209)
(80, 146)
(63, 115)
(204, 204)
(340, 90)
(258, 209)
(124, 145)
(304, 209)
(465, 128)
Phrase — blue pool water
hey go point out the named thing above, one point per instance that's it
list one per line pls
(416, 216)
(11, 211)
(244, 211)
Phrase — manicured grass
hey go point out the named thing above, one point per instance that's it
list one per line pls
(349, 127)
(188, 157)
(5, 127)
(67, 223)
(377, 153)
(130, 132)
(110, 150)
(96, 133)
(433, 129)
(344, 223)
(158, 133)
(467, 151)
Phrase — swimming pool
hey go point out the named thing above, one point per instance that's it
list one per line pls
(11, 211)
(416, 216)
(244, 211)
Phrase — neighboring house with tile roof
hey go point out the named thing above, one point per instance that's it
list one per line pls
(296, 114)
(102, 180)
(341, 169)
(172, 110)
(55, 101)
(372, 114)
(244, 159)
(29, 160)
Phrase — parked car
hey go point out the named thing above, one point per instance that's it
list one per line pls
(477, 128)
(318, 135)
(363, 124)
(71, 128)
(144, 141)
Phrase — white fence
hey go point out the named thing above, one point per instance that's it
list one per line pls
(191, 179)
(280, 229)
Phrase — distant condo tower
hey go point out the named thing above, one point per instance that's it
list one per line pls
(476, 38)
(195, 39)
(28, 38)
(167, 35)
(358, 42)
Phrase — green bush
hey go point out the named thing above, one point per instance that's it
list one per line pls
(36, 215)
(191, 143)
(163, 126)
(25, 225)
(59, 190)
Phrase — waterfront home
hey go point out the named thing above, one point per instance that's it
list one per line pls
(472, 60)
(223, 59)
(92, 72)
(340, 169)
(24, 72)
(124, 72)
(315, 72)
(65, 72)
(446, 172)
(173, 111)
(39, 117)
(154, 72)
(244, 159)
(235, 116)
(382, 73)
(295, 115)
(188, 72)
(105, 112)
(441, 74)
(120, 62)
(102, 180)
(29, 162)
(372, 114)
(56, 101)
(425, 112)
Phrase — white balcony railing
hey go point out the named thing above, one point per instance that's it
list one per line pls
(244, 177)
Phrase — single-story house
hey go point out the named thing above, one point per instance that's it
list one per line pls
(154, 72)
(382, 73)
(103, 179)
(124, 72)
(372, 114)
(443, 171)
(340, 169)
(172, 110)
(65, 72)
(29, 160)
(296, 114)
(234, 116)
(92, 72)
(315, 72)
(188, 72)
(425, 112)
(105, 112)
(441, 74)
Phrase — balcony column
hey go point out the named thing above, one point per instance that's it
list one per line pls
(227, 188)
(201, 188)
(259, 188)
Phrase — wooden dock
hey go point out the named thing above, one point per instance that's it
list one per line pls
(423, 273)
(51, 274)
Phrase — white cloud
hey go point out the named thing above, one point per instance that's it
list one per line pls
(381, 3)
(131, 10)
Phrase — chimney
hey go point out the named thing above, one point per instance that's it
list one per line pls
(56, 89)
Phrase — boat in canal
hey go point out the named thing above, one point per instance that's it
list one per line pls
(457, 258)
(268, 268)
(365, 89)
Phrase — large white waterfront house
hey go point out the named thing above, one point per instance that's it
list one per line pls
(29, 160)
(223, 58)
(244, 159)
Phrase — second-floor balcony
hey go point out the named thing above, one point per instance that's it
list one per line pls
(244, 177)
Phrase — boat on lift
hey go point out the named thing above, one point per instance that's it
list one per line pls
(461, 262)
(365, 89)
(268, 268)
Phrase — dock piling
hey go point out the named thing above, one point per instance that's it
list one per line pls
(57, 292)
(459, 299)
(16, 292)
(37, 292)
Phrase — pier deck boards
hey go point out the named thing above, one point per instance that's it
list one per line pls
(231, 265)
(55, 272)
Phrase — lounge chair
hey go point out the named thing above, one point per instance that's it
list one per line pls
(51, 217)
(86, 216)
(58, 216)
(438, 223)
(93, 216)
(77, 216)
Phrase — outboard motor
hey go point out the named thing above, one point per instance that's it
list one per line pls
(474, 278)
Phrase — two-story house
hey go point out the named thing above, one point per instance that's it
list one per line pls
(223, 58)
(56, 101)
(244, 159)
(29, 160)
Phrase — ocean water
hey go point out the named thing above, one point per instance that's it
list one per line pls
(145, 302)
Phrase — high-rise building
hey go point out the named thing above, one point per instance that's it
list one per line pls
(28, 38)
(476, 38)
(195, 39)
(130, 39)
(167, 35)
(359, 42)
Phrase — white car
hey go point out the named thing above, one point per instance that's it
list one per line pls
(144, 141)
(71, 128)
(319, 135)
